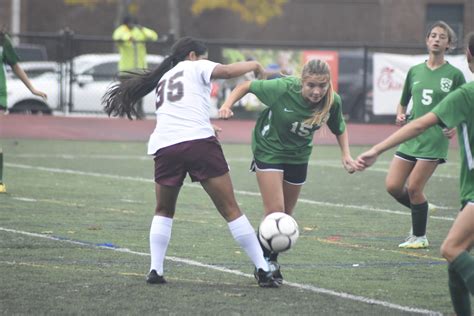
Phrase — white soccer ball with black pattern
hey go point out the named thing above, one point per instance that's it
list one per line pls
(278, 232)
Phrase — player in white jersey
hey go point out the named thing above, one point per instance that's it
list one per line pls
(184, 142)
(183, 109)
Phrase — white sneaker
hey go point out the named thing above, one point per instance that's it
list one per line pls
(415, 242)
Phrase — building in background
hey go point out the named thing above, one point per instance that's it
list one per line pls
(355, 21)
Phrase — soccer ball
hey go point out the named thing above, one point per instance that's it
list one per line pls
(278, 232)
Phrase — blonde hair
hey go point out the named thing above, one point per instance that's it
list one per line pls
(317, 67)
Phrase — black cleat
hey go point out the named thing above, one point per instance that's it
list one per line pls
(275, 268)
(265, 278)
(154, 278)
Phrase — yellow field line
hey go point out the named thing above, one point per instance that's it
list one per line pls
(357, 246)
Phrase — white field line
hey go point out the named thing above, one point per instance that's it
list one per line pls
(239, 273)
(241, 192)
(78, 156)
(324, 163)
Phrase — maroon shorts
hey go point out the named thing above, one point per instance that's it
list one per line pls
(201, 158)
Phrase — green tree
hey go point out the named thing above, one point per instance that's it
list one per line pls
(256, 11)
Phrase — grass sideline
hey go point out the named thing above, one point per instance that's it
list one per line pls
(74, 239)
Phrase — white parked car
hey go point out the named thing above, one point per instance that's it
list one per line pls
(93, 74)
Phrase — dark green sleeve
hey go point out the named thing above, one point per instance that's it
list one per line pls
(406, 92)
(453, 109)
(10, 57)
(336, 122)
(268, 91)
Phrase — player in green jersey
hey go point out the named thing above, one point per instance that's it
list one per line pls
(415, 161)
(456, 110)
(9, 57)
(283, 135)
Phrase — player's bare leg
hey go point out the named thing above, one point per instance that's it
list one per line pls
(291, 193)
(396, 179)
(270, 184)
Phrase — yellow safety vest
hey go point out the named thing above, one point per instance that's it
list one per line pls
(132, 46)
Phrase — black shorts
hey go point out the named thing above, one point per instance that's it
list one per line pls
(293, 174)
(201, 158)
(415, 159)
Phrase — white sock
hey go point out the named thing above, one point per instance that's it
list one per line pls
(244, 234)
(160, 235)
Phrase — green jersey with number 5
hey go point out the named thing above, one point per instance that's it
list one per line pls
(426, 88)
(280, 134)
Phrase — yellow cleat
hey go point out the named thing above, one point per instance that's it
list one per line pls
(3, 188)
(415, 242)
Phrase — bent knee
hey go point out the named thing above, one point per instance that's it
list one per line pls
(414, 192)
(393, 189)
(445, 251)
(450, 249)
(229, 211)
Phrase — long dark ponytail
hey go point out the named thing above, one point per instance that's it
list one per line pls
(122, 97)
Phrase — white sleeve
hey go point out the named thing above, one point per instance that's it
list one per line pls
(205, 69)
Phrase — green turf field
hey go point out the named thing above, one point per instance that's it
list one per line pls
(74, 239)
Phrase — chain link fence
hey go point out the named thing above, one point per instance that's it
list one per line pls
(75, 70)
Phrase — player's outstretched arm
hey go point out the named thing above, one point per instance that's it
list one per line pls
(239, 91)
(238, 69)
(24, 78)
(405, 133)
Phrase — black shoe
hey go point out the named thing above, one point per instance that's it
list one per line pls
(154, 278)
(265, 278)
(275, 268)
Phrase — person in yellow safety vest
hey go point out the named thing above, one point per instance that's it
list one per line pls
(131, 40)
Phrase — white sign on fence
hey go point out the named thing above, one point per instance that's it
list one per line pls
(389, 75)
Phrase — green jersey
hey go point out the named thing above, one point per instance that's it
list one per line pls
(427, 88)
(280, 134)
(457, 110)
(7, 56)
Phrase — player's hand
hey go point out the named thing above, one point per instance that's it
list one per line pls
(349, 164)
(225, 113)
(449, 132)
(40, 94)
(401, 119)
(366, 160)
(260, 72)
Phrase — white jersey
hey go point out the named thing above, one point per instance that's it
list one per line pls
(183, 105)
